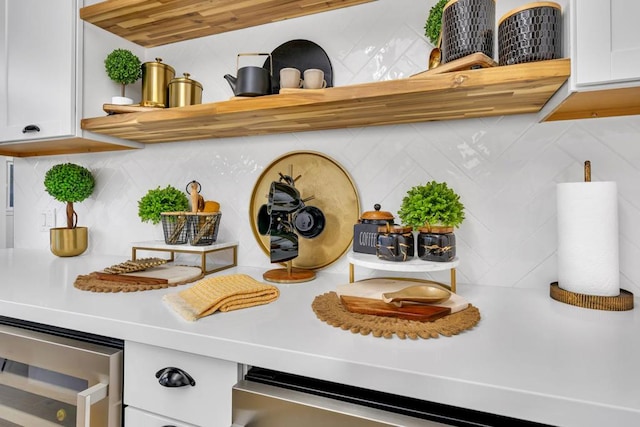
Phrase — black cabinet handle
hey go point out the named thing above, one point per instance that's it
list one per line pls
(31, 128)
(174, 377)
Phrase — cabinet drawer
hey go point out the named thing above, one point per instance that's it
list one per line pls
(137, 418)
(206, 403)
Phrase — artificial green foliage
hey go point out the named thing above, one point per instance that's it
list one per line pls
(432, 203)
(123, 67)
(159, 200)
(69, 183)
(434, 22)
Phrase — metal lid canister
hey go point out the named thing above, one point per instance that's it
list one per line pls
(155, 83)
(184, 91)
(376, 216)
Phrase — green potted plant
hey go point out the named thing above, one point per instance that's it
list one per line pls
(168, 205)
(125, 68)
(69, 183)
(434, 210)
(431, 204)
(433, 25)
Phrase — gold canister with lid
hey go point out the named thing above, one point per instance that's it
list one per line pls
(184, 91)
(155, 83)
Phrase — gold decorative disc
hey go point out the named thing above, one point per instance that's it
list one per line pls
(333, 192)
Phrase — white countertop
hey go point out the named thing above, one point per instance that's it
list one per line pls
(530, 357)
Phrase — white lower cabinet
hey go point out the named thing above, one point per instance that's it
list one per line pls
(181, 387)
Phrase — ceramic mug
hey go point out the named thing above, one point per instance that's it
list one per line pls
(290, 78)
(283, 198)
(314, 79)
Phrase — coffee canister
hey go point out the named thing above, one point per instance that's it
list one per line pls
(467, 28)
(532, 32)
(395, 243)
(365, 232)
(155, 83)
(436, 244)
(184, 91)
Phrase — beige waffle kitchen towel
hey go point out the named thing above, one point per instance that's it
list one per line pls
(224, 293)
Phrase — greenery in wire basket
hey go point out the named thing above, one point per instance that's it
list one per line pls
(69, 183)
(432, 203)
(434, 22)
(156, 201)
(123, 67)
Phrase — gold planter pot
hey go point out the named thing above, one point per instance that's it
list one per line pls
(67, 242)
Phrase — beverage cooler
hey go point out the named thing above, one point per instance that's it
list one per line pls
(57, 377)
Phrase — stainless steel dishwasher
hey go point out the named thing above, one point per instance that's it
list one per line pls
(267, 398)
(57, 377)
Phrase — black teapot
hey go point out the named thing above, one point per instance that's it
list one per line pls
(251, 80)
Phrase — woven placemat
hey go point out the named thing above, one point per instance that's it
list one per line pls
(91, 282)
(329, 309)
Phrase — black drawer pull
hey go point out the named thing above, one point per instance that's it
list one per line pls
(31, 128)
(174, 377)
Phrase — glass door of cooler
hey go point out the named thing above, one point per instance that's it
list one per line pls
(48, 381)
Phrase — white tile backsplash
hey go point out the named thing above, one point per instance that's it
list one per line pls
(505, 168)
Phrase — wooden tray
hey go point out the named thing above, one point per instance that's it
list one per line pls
(469, 62)
(420, 312)
(120, 109)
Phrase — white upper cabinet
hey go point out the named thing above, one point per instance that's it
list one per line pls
(607, 41)
(604, 46)
(37, 86)
(41, 66)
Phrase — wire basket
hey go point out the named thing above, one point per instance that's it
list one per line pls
(175, 227)
(203, 228)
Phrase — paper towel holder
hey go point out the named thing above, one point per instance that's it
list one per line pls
(621, 302)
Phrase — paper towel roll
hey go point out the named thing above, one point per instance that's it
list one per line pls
(588, 238)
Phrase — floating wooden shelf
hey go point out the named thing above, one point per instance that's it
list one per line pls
(598, 103)
(50, 147)
(514, 89)
(158, 22)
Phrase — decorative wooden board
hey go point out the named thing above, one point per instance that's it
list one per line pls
(154, 23)
(469, 62)
(423, 313)
(494, 91)
(154, 278)
(120, 109)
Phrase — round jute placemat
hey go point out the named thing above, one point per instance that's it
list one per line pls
(329, 309)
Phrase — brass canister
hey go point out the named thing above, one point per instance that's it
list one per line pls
(184, 91)
(155, 83)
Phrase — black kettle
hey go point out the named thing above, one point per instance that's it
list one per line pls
(251, 81)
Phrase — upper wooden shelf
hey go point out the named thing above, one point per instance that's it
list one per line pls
(158, 22)
(514, 89)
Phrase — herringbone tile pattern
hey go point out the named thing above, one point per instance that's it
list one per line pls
(505, 168)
